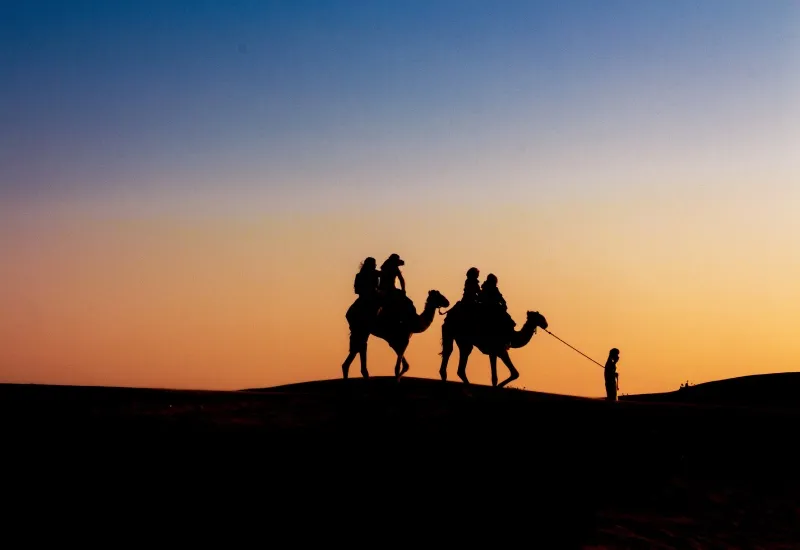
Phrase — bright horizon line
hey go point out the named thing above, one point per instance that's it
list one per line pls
(373, 376)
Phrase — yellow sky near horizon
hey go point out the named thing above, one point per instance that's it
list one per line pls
(696, 287)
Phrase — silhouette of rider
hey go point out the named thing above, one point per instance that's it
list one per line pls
(495, 304)
(472, 288)
(391, 296)
(490, 294)
(365, 285)
(611, 375)
(364, 309)
(366, 281)
(390, 270)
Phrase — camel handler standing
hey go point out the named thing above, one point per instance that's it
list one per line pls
(611, 375)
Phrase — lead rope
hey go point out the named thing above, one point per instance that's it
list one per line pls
(579, 351)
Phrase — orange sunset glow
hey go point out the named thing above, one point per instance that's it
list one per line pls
(645, 203)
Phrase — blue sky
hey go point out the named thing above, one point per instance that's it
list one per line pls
(113, 95)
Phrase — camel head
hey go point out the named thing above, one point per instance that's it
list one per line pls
(437, 299)
(537, 319)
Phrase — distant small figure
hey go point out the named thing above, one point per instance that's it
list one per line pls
(472, 288)
(611, 375)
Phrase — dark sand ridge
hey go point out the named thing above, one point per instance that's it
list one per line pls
(714, 465)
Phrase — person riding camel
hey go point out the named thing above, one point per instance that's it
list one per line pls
(490, 294)
(391, 297)
(491, 298)
(367, 279)
(390, 270)
(365, 285)
(472, 288)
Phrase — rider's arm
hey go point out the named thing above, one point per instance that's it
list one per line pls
(402, 281)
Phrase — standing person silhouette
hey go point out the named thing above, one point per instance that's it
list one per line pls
(611, 375)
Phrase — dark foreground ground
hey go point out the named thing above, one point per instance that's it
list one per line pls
(383, 464)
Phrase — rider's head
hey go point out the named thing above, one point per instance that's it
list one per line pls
(395, 259)
(491, 280)
(368, 263)
(473, 273)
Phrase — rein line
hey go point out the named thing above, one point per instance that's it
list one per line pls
(579, 351)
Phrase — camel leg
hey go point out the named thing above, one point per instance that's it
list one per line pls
(507, 361)
(397, 365)
(400, 349)
(358, 346)
(405, 366)
(493, 365)
(347, 362)
(362, 355)
(447, 350)
(463, 356)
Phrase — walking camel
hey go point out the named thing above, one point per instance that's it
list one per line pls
(476, 329)
(395, 327)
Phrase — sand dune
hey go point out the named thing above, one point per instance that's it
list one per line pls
(780, 389)
(422, 459)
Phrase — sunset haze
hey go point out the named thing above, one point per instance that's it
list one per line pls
(187, 189)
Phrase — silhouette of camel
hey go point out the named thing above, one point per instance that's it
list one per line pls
(473, 329)
(395, 327)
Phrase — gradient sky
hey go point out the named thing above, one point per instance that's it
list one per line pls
(187, 188)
